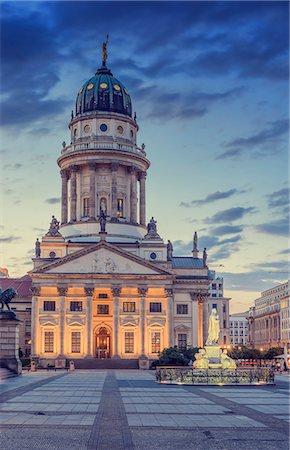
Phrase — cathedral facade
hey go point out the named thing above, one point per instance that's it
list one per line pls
(104, 282)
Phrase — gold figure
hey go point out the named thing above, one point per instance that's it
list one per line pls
(104, 51)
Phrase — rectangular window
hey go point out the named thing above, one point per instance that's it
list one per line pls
(120, 207)
(48, 341)
(225, 324)
(213, 286)
(182, 340)
(214, 306)
(86, 207)
(213, 295)
(155, 307)
(76, 306)
(155, 342)
(182, 309)
(225, 339)
(76, 342)
(49, 305)
(224, 308)
(129, 307)
(103, 295)
(129, 342)
(103, 309)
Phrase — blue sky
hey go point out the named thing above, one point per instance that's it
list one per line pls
(209, 83)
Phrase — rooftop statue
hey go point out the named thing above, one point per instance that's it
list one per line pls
(6, 297)
(213, 328)
(53, 228)
(104, 51)
(37, 249)
(151, 227)
(169, 251)
(103, 221)
(195, 241)
(204, 257)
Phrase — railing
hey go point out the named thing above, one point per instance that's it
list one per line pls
(188, 375)
(93, 145)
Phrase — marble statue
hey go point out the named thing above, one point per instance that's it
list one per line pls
(37, 248)
(53, 228)
(227, 362)
(169, 251)
(204, 257)
(201, 360)
(213, 328)
(103, 220)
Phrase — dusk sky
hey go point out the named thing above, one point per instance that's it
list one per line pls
(209, 84)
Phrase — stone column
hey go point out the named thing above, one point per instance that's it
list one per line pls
(169, 316)
(64, 179)
(194, 320)
(92, 203)
(133, 195)
(73, 194)
(142, 292)
(89, 292)
(34, 319)
(62, 291)
(198, 310)
(114, 168)
(116, 291)
(142, 201)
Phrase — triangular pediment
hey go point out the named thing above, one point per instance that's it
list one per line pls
(102, 258)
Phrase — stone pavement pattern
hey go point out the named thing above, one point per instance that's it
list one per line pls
(126, 409)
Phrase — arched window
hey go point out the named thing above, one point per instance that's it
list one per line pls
(120, 207)
(103, 205)
(86, 207)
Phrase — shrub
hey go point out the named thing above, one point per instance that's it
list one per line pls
(174, 356)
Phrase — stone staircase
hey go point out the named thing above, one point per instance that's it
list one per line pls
(6, 373)
(93, 363)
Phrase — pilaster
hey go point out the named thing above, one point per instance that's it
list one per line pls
(169, 314)
(142, 291)
(34, 319)
(89, 292)
(62, 291)
(64, 196)
(92, 203)
(142, 204)
(116, 291)
(73, 193)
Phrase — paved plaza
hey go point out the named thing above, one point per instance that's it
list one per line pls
(126, 409)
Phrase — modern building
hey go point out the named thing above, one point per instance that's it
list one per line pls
(105, 284)
(21, 306)
(239, 329)
(269, 319)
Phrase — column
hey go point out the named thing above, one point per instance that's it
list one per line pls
(64, 179)
(197, 318)
(133, 195)
(89, 292)
(34, 319)
(62, 291)
(194, 321)
(73, 194)
(114, 168)
(169, 316)
(116, 291)
(142, 201)
(200, 323)
(92, 167)
(142, 293)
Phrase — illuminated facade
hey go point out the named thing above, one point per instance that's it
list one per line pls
(105, 285)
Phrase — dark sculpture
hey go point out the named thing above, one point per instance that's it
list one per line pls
(37, 249)
(169, 251)
(204, 257)
(54, 226)
(6, 297)
(195, 241)
(103, 220)
(151, 227)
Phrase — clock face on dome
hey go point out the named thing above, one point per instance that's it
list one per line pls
(117, 87)
(103, 85)
(90, 86)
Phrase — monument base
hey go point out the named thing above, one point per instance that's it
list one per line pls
(9, 342)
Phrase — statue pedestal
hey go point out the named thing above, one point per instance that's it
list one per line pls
(213, 353)
(103, 235)
(9, 342)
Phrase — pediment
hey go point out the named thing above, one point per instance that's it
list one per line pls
(102, 258)
(71, 321)
(129, 322)
(48, 321)
(156, 322)
(181, 328)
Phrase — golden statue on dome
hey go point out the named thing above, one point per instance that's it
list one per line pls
(104, 51)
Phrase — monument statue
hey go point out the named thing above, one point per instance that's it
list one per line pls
(227, 362)
(53, 228)
(104, 51)
(103, 205)
(37, 249)
(204, 257)
(201, 360)
(195, 241)
(169, 251)
(151, 227)
(103, 220)
(213, 328)
(6, 297)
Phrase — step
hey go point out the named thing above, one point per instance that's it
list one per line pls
(6, 373)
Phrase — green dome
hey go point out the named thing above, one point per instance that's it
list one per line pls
(103, 92)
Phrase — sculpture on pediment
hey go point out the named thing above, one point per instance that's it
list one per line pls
(169, 251)
(53, 227)
(37, 249)
(103, 221)
(204, 257)
(213, 328)
(152, 230)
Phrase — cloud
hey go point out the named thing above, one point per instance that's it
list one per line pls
(279, 227)
(279, 198)
(266, 139)
(231, 214)
(211, 198)
(8, 239)
(227, 229)
(53, 200)
(12, 166)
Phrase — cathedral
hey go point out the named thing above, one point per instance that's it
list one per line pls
(105, 285)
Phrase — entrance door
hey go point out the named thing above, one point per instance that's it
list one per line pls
(103, 343)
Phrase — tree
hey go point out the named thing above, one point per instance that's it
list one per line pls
(174, 356)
